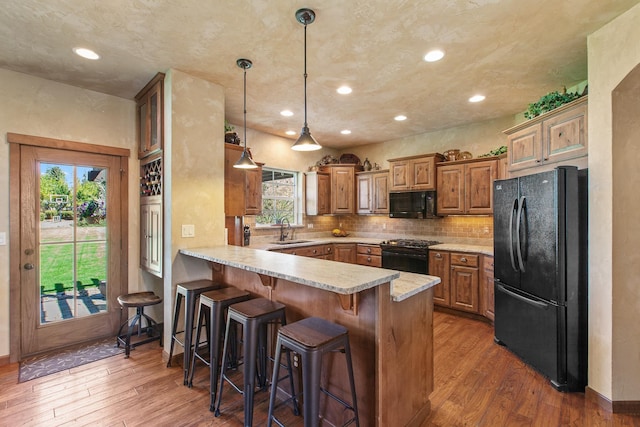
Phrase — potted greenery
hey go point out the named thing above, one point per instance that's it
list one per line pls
(549, 102)
(229, 135)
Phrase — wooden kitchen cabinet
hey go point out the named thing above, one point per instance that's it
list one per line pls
(314, 251)
(465, 282)
(343, 188)
(466, 187)
(415, 173)
(557, 136)
(487, 302)
(344, 252)
(373, 192)
(317, 193)
(459, 280)
(149, 121)
(439, 265)
(370, 255)
(242, 187)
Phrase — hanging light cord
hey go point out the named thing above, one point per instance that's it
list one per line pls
(245, 108)
(305, 75)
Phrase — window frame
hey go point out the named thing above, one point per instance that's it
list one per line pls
(296, 199)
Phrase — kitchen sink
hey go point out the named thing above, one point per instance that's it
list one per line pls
(289, 242)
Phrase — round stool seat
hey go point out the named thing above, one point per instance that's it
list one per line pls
(139, 299)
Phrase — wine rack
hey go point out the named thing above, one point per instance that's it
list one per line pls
(151, 178)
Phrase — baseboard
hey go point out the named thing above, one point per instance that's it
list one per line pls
(4, 360)
(615, 407)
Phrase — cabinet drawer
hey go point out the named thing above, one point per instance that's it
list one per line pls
(370, 260)
(310, 251)
(467, 260)
(487, 263)
(369, 250)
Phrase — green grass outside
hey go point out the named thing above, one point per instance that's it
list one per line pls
(56, 265)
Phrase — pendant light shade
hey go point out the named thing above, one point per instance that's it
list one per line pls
(245, 161)
(305, 142)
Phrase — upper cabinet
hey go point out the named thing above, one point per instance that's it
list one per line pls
(150, 110)
(342, 190)
(557, 136)
(242, 187)
(318, 193)
(466, 187)
(415, 173)
(373, 192)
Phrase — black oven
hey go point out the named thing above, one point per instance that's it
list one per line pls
(407, 255)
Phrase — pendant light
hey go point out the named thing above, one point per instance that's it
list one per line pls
(305, 142)
(245, 161)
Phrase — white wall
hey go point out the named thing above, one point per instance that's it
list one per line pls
(33, 106)
(614, 298)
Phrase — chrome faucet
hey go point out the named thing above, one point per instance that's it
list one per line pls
(284, 235)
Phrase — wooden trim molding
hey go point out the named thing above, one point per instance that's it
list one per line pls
(4, 360)
(615, 407)
(61, 144)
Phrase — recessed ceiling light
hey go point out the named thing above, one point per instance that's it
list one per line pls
(291, 132)
(344, 90)
(434, 55)
(345, 132)
(286, 113)
(477, 98)
(86, 53)
(400, 118)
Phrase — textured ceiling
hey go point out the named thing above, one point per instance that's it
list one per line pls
(512, 51)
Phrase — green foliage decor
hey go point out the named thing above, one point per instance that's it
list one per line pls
(495, 152)
(549, 102)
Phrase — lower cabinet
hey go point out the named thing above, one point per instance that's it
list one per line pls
(370, 255)
(459, 286)
(151, 235)
(487, 289)
(344, 252)
(315, 251)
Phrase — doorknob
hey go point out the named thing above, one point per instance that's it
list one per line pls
(28, 266)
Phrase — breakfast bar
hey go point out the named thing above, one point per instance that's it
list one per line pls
(388, 315)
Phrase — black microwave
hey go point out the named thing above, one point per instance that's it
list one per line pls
(412, 204)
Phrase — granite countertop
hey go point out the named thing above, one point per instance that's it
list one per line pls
(461, 247)
(341, 278)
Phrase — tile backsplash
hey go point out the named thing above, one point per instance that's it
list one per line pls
(475, 230)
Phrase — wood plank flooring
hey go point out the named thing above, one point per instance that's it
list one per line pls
(477, 383)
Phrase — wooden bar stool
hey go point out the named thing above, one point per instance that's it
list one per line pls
(139, 300)
(253, 315)
(212, 310)
(311, 338)
(189, 291)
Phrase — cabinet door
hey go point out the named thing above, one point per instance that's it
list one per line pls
(565, 135)
(324, 194)
(345, 252)
(150, 117)
(478, 189)
(439, 266)
(342, 190)
(486, 289)
(450, 193)
(317, 193)
(380, 193)
(423, 174)
(253, 191)
(399, 175)
(365, 196)
(151, 238)
(524, 147)
(464, 288)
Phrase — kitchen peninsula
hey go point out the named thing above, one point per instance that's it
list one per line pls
(388, 315)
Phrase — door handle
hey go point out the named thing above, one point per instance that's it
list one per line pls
(28, 266)
(521, 208)
(511, 231)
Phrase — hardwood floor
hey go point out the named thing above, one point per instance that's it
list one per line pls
(477, 383)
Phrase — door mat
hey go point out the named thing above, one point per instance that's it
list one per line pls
(50, 363)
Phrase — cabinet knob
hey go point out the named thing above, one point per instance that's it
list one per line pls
(28, 266)
(368, 250)
(368, 259)
(315, 251)
(463, 259)
(293, 253)
(438, 255)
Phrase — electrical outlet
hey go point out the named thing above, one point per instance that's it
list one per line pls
(188, 230)
(310, 225)
(340, 225)
(384, 225)
(3, 238)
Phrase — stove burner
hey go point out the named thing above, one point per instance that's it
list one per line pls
(409, 243)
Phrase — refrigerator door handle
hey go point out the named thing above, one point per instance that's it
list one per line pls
(511, 231)
(539, 304)
(521, 208)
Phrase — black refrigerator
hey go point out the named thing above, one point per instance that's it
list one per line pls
(540, 259)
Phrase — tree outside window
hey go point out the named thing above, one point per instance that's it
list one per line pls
(279, 189)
